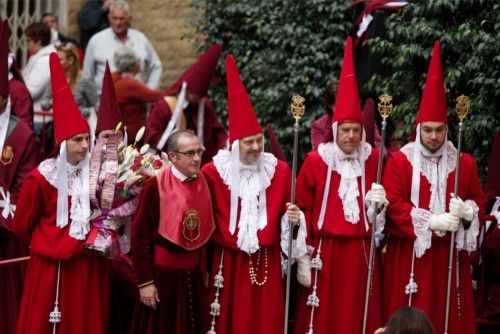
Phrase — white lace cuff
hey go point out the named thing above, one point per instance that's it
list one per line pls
(299, 246)
(380, 225)
(468, 239)
(420, 220)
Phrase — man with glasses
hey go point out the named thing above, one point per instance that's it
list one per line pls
(173, 223)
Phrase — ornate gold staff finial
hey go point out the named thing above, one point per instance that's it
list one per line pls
(297, 107)
(462, 107)
(385, 105)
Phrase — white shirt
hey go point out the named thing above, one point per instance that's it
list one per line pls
(102, 47)
(36, 75)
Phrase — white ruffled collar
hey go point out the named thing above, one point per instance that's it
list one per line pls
(254, 180)
(349, 167)
(79, 222)
(430, 167)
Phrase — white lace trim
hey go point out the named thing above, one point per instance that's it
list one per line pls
(79, 223)
(299, 246)
(467, 240)
(420, 220)
(253, 183)
(430, 170)
(349, 169)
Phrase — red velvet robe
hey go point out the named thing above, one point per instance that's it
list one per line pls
(84, 284)
(247, 308)
(431, 270)
(132, 97)
(214, 132)
(345, 249)
(176, 272)
(25, 149)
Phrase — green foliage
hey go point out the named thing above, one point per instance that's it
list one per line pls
(469, 32)
(282, 48)
(286, 47)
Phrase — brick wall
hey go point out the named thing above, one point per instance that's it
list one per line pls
(163, 22)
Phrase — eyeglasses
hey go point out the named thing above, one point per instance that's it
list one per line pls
(192, 153)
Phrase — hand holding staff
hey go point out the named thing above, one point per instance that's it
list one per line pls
(297, 108)
(462, 108)
(385, 109)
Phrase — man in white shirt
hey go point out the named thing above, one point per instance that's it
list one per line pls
(36, 73)
(103, 45)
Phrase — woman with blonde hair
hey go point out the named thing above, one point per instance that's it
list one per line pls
(81, 85)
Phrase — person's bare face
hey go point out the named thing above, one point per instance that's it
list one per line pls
(119, 21)
(433, 135)
(51, 22)
(251, 148)
(77, 147)
(349, 137)
(187, 157)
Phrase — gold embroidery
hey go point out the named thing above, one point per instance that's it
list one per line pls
(191, 225)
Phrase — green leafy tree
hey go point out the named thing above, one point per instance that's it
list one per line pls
(282, 48)
(469, 32)
(286, 47)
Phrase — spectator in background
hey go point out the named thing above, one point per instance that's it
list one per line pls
(92, 18)
(104, 44)
(131, 93)
(82, 86)
(56, 38)
(36, 73)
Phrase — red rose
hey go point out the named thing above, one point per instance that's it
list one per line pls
(157, 164)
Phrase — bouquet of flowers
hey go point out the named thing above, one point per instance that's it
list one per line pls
(117, 174)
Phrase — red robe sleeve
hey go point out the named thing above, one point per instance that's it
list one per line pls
(135, 90)
(396, 180)
(145, 230)
(29, 209)
(305, 192)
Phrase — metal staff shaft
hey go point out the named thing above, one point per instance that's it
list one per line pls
(385, 103)
(297, 111)
(292, 200)
(462, 110)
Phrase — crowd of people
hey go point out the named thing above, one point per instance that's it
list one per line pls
(160, 219)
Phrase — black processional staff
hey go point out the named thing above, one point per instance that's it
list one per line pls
(462, 108)
(297, 108)
(385, 109)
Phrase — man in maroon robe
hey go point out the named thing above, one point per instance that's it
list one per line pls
(66, 289)
(246, 289)
(423, 210)
(173, 223)
(19, 154)
(332, 187)
(189, 108)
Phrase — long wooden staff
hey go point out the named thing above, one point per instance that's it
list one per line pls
(462, 108)
(297, 108)
(385, 109)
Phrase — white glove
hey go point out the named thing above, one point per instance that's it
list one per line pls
(459, 209)
(377, 195)
(444, 222)
(304, 270)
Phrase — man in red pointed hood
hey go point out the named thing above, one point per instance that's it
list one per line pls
(332, 187)
(66, 289)
(186, 106)
(19, 154)
(423, 211)
(250, 189)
